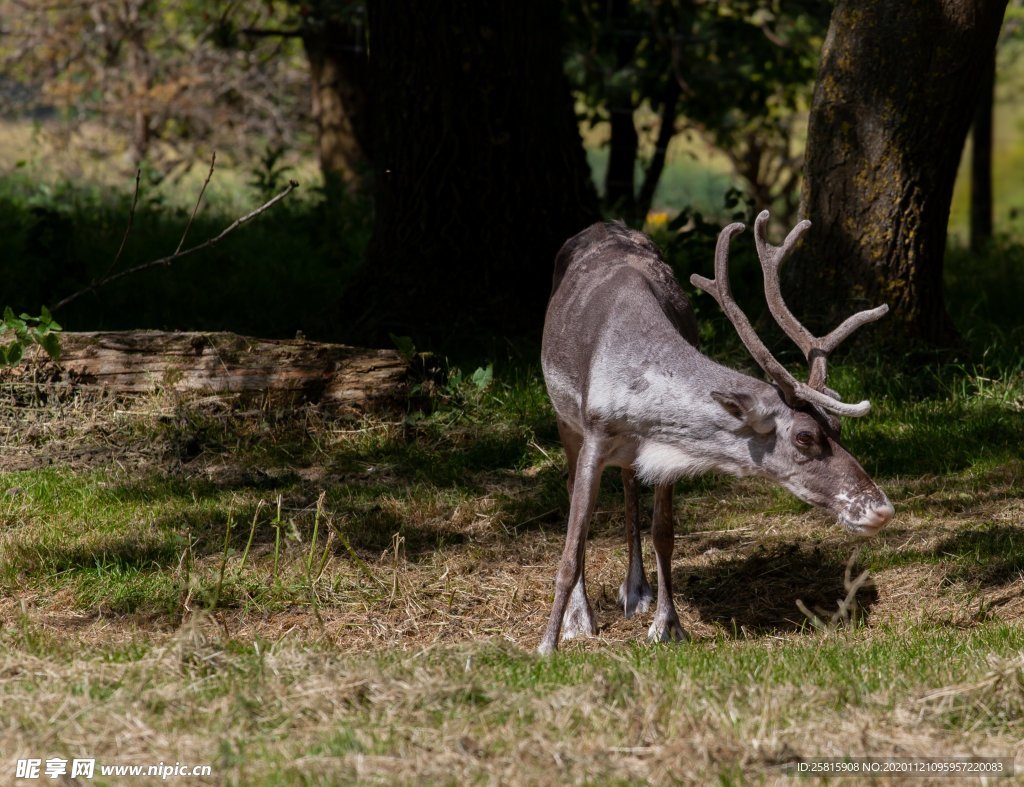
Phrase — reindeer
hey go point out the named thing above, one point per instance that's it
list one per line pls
(631, 390)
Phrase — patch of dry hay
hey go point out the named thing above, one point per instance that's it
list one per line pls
(433, 715)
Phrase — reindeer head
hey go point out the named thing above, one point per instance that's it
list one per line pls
(795, 427)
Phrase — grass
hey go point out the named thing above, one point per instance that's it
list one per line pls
(271, 713)
(299, 597)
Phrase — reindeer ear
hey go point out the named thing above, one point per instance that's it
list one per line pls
(747, 408)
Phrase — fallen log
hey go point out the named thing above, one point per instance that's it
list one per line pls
(334, 375)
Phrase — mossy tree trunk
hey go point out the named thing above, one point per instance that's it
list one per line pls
(479, 170)
(895, 96)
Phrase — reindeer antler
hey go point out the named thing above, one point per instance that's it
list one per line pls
(815, 349)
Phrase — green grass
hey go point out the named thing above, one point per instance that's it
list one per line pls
(396, 644)
(296, 597)
(123, 540)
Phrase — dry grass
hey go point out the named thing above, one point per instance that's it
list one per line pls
(291, 710)
(397, 646)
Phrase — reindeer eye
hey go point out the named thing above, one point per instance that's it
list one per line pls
(804, 439)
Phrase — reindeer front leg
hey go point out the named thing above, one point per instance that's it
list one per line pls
(569, 579)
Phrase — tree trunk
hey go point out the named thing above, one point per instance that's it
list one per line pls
(334, 375)
(624, 142)
(981, 162)
(894, 98)
(479, 170)
(619, 180)
(338, 73)
(666, 131)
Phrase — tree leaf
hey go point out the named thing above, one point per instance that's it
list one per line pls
(482, 377)
(15, 351)
(51, 343)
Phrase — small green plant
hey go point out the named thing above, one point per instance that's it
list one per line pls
(270, 175)
(478, 381)
(28, 330)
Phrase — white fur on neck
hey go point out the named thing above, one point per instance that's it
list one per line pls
(662, 463)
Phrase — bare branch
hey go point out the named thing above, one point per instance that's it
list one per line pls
(202, 191)
(292, 185)
(128, 229)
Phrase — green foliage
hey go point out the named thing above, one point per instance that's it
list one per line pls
(984, 293)
(747, 67)
(26, 330)
(282, 273)
(269, 175)
(479, 380)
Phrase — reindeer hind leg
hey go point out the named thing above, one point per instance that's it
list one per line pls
(635, 592)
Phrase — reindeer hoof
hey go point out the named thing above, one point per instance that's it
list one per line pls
(578, 622)
(666, 630)
(637, 599)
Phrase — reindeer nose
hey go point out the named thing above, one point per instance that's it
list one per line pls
(868, 517)
(879, 516)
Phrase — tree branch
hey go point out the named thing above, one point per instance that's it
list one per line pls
(666, 132)
(128, 229)
(202, 191)
(178, 254)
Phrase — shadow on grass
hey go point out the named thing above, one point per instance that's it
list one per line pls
(120, 554)
(757, 594)
(970, 500)
(374, 528)
(937, 438)
(986, 556)
(458, 459)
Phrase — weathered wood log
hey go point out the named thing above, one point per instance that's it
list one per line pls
(335, 375)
